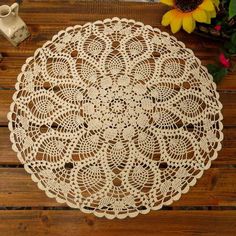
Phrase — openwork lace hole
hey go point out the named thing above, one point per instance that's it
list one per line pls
(117, 182)
(69, 165)
(156, 54)
(46, 85)
(115, 44)
(163, 165)
(43, 129)
(74, 53)
(56, 89)
(186, 85)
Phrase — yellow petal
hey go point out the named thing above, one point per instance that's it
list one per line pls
(200, 15)
(207, 5)
(208, 18)
(188, 23)
(176, 23)
(216, 2)
(194, 24)
(167, 18)
(168, 2)
(212, 14)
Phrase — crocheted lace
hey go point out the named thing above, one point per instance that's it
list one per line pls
(115, 118)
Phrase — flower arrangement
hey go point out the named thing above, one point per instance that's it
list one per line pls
(224, 64)
(212, 18)
(187, 12)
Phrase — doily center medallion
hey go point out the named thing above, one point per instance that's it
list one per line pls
(115, 118)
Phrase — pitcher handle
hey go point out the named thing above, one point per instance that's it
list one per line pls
(15, 8)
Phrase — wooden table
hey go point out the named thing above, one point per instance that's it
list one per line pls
(208, 209)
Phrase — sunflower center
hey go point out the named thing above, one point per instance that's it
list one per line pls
(187, 5)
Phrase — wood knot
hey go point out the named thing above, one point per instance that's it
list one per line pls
(45, 220)
(214, 180)
(3, 68)
(89, 222)
(22, 227)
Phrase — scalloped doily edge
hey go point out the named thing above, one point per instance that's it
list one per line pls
(104, 214)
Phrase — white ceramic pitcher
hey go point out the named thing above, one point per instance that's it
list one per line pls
(12, 26)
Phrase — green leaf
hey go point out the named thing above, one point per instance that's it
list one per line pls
(228, 44)
(232, 50)
(220, 74)
(217, 72)
(232, 9)
(233, 38)
(224, 1)
(212, 68)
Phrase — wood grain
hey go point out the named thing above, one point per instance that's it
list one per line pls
(43, 28)
(215, 188)
(61, 223)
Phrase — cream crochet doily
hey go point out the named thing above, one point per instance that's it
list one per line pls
(115, 118)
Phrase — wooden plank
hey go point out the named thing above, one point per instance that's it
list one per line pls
(17, 189)
(5, 101)
(217, 187)
(41, 33)
(226, 155)
(228, 100)
(42, 28)
(73, 12)
(39, 222)
(44, 25)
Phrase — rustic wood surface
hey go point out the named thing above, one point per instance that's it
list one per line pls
(208, 209)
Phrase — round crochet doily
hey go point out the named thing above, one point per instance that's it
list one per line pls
(115, 118)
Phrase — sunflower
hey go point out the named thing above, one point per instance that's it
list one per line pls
(187, 12)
